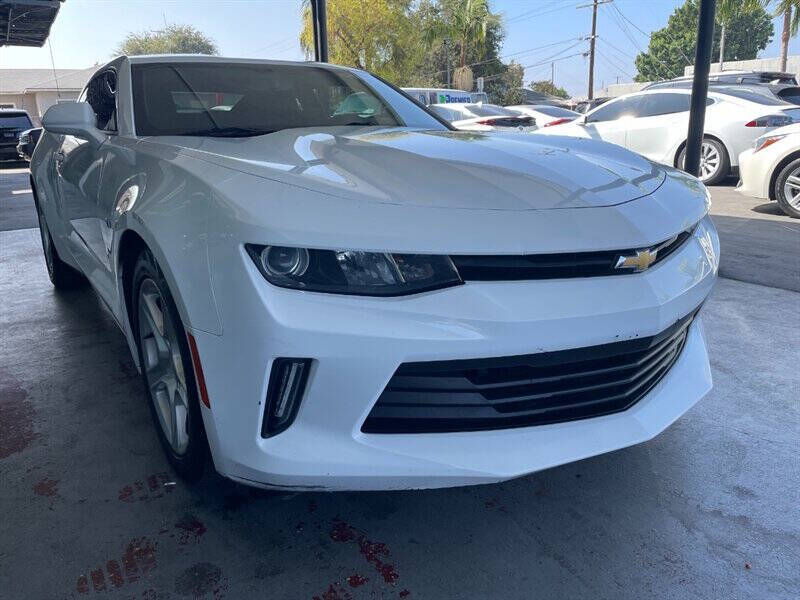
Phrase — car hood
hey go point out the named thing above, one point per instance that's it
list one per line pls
(438, 169)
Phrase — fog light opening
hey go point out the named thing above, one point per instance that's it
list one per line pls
(287, 382)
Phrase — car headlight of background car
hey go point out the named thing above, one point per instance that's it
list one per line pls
(766, 140)
(353, 272)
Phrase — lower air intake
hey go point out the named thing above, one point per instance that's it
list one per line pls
(521, 391)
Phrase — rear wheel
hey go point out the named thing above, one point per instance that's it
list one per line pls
(167, 370)
(62, 276)
(787, 189)
(714, 162)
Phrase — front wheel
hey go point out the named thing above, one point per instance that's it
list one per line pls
(787, 189)
(714, 162)
(167, 370)
(62, 276)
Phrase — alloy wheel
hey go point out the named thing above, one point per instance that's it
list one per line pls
(791, 188)
(709, 161)
(163, 366)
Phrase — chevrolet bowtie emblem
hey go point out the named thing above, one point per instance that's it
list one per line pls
(638, 262)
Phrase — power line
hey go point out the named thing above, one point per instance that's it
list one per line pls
(528, 51)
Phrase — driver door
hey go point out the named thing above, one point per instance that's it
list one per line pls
(79, 171)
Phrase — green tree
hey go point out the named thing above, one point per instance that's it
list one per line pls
(171, 39)
(672, 48)
(376, 35)
(727, 11)
(548, 87)
(465, 23)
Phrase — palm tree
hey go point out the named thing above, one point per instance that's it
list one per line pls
(464, 24)
(726, 11)
(790, 10)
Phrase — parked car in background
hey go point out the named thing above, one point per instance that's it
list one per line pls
(428, 96)
(654, 123)
(546, 116)
(585, 106)
(27, 142)
(529, 96)
(484, 117)
(12, 123)
(325, 300)
(770, 170)
(775, 83)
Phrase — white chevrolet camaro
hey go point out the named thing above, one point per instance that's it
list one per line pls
(326, 287)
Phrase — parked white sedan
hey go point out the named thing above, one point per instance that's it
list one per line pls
(545, 115)
(349, 294)
(483, 117)
(770, 170)
(654, 124)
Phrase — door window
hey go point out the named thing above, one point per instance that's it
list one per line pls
(624, 107)
(664, 104)
(101, 94)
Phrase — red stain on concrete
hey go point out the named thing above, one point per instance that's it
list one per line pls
(16, 416)
(356, 581)
(334, 592)
(375, 553)
(83, 585)
(115, 573)
(312, 506)
(98, 580)
(46, 487)
(189, 530)
(154, 486)
(404, 594)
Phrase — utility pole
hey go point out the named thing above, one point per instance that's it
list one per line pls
(319, 22)
(591, 50)
(702, 65)
(592, 38)
(552, 72)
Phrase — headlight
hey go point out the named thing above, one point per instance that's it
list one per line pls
(766, 140)
(353, 272)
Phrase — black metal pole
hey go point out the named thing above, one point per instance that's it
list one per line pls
(702, 65)
(319, 20)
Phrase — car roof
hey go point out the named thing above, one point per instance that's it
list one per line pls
(142, 59)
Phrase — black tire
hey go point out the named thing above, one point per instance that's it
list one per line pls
(793, 210)
(190, 461)
(62, 276)
(723, 168)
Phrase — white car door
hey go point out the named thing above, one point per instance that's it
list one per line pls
(610, 121)
(661, 124)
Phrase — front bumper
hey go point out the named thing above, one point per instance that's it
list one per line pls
(754, 175)
(358, 343)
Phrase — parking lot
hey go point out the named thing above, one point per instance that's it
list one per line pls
(708, 509)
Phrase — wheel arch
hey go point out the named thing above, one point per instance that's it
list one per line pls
(773, 178)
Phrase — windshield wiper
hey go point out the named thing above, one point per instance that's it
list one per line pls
(229, 132)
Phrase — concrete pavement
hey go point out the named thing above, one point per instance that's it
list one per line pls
(90, 509)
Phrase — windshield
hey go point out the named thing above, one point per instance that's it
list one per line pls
(490, 110)
(15, 121)
(243, 99)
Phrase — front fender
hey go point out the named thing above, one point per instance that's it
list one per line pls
(169, 212)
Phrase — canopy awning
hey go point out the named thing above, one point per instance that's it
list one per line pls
(27, 22)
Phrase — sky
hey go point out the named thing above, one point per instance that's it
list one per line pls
(538, 32)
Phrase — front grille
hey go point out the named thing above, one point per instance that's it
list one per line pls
(521, 391)
(555, 266)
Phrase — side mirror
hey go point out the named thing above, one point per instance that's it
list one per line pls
(73, 118)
